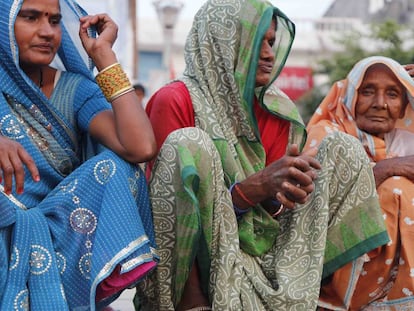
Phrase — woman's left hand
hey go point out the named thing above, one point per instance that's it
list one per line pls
(410, 69)
(398, 166)
(100, 48)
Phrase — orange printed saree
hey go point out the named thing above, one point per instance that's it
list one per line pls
(383, 279)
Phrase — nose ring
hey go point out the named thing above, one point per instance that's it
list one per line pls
(385, 106)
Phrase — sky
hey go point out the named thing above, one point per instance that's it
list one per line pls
(292, 8)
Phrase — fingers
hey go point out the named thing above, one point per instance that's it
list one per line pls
(12, 166)
(306, 160)
(305, 164)
(291, 194)
(8, 172)
(293, 150)
(294, 176)
(410, 69)
(296, 192)
(107, 33)
(91, 20)
(100, 22)
(311, 152)
(30, 164)
(285, 201)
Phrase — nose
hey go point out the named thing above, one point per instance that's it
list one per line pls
(380, 101)
(45, 28)
(267, 52)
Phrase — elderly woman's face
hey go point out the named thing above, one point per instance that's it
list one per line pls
(38, 32)
(381, 101)
(266, 57)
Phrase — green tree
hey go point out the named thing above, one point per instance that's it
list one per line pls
(389, 39)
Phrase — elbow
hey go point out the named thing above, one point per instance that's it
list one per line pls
(146, 152)
(149, 152)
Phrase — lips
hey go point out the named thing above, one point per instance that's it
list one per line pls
(376, 118)
(46, 47)
(266, 68)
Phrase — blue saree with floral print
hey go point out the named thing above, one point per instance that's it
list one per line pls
(78, 237)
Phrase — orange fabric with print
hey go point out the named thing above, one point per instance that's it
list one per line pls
(384, 278)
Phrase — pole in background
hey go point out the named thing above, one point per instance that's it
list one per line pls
(168, 11)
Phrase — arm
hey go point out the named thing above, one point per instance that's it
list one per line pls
(399, 166)
(126, 129)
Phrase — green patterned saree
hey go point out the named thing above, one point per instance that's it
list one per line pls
(256, 262)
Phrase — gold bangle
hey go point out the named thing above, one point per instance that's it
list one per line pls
(120, 93)
(113, 82)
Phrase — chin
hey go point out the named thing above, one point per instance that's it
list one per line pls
(260, 83)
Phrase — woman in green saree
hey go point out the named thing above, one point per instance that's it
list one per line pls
(243, 219)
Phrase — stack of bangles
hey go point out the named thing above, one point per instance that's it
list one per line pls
(113, 82)
(240, 212)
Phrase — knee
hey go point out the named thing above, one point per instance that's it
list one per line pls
(343, 145)
(191, 138)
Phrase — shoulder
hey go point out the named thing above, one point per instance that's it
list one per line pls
(76, 78)
(172, 96)
(170, 108)
(172, 91)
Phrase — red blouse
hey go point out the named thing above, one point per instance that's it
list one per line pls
(170, 108)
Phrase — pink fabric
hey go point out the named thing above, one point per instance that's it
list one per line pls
(117, 282)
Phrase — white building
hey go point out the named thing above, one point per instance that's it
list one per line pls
(142, 56)
(313, 41)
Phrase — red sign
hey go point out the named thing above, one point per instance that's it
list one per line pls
(295, 81)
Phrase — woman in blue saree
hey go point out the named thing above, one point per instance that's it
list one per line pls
(73, 232)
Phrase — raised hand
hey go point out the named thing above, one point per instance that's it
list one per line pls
(100, 48)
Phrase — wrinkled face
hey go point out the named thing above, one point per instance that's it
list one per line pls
(381, 101)
(267, 57)
(38, 32)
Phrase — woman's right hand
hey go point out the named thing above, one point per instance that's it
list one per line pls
(13, 158)
(290, 179)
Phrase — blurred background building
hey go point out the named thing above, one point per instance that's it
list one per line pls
(151, 48)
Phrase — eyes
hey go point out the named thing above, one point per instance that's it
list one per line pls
(371, 91)
(32, 16)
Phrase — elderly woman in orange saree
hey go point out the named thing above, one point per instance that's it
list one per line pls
(375, 104)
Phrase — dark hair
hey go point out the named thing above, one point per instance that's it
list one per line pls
(139, 86)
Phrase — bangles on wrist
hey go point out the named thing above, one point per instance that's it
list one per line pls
(280, 208)
(238, 211)
(113, 82)
(242, 195)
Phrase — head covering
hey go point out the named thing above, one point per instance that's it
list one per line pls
(70, 57)
(337, 110)
(221, 55)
